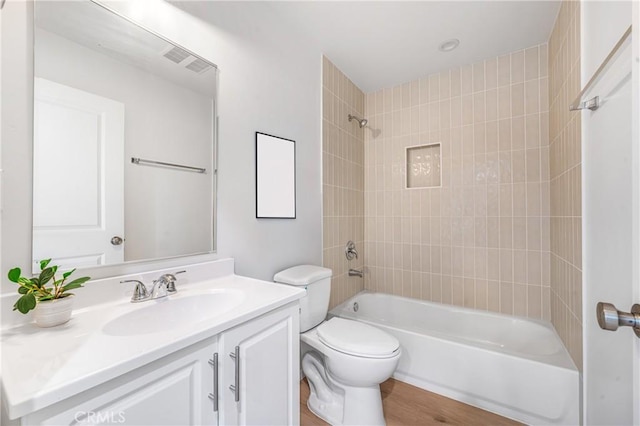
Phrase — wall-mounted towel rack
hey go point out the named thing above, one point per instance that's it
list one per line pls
(136, 160)
(594, 103)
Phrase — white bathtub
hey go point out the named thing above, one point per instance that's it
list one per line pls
(511, 366)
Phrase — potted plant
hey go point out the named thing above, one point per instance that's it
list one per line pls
(52, 304)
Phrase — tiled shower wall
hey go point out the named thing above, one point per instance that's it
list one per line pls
(481, 239)
(565, 166)
(342, 180)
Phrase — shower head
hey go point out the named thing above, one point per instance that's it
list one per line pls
(361, 121)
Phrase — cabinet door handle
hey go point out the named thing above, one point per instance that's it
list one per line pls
(214, 396)
(235, 388)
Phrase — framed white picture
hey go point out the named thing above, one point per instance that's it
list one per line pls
(275, 177)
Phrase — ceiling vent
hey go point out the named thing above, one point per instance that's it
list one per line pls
(185, 59)
(198, 65)
(175, 54)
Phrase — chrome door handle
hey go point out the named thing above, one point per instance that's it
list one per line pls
(610, 318)
(235, 388)
(214, 396)
(116, 241)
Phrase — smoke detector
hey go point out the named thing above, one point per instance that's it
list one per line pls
(449, 45)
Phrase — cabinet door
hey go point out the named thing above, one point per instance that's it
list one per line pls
(261, 367)
(171, 391)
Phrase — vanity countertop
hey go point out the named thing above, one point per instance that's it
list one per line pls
(43, 366)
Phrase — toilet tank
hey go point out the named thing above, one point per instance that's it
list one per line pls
(316, 281)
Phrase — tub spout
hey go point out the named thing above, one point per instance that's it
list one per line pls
(356, 272)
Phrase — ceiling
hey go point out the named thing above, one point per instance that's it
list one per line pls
(380, 44)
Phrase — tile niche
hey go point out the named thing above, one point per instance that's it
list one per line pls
(423, 166)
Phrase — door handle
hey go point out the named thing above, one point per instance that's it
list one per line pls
(610, 318)
(214, 395)
(116, 241)
(235, 388)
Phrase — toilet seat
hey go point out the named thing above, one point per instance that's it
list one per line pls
(356, 338)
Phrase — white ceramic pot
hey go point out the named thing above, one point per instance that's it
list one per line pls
(53, 312)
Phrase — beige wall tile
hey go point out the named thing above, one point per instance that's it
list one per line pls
(504, 70)
(466, 79)
(560, 130)
(475, 240)
(517, 99)
(531, 63)
(517, 67)
(343, 174)
(478, 77)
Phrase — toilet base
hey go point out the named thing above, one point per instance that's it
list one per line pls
(361, 406)
(339, 404)
(330, 412)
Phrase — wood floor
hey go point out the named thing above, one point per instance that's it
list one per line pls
(408, 405)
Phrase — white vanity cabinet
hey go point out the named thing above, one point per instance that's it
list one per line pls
(260, 371)
(179, 389)
(170, 391)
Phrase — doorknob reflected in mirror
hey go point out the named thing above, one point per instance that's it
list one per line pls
(610, 318)
(116, 241)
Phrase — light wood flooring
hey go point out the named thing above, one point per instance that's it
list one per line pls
(408, 405)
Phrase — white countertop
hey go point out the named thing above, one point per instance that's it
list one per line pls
(43, 366)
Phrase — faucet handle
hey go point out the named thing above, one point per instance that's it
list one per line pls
(350, 250)
(170, 280)
(140, 292)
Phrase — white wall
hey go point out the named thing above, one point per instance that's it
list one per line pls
(270, 81)
(16, 89)
(603, 23)
(607, 356)
(636, 198)
(163, 121)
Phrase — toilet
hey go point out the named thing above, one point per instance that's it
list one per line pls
(344, 360)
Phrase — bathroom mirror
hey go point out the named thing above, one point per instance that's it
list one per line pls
(124, 141)
(275, 177)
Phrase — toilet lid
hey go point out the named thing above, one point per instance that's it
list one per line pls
(357, 338)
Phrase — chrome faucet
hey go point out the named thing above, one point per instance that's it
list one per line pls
(170, 280)
(162, 287)
(159, 289)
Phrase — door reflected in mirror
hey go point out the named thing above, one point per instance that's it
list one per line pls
(108, 92)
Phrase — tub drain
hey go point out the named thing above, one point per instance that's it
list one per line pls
(355, 307)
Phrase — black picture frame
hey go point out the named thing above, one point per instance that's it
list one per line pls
(275, 171)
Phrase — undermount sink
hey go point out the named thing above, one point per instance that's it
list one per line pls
(168, 312)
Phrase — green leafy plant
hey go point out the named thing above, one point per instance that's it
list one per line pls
(35, 289)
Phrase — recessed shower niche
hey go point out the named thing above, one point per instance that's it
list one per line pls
(423, 166)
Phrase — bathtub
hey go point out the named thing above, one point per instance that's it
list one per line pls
(511, 366)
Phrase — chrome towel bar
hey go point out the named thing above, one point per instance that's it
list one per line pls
(594, 103)
(136, 160)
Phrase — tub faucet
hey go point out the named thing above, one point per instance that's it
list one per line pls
(356, 272)
(350, 250)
